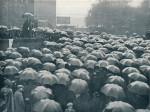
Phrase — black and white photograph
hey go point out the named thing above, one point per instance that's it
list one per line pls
(74, 55)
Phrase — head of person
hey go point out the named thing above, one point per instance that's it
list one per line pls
(20, 87)
(8, 83)
(4, 91)
(70, 105)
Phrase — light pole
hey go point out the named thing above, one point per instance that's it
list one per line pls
(90, 14)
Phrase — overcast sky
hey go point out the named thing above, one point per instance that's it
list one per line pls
(78, 9)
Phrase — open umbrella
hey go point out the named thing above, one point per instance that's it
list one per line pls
(119, 106)
(116, 80)
(89, 49)
(36, 53)
(58, 54)
(48, 58)
(63, 70)
(81, 74)
(75, 62)
(142, 110)
(46, 51)
(113, 90)
(90, 57)
(127, 62)
(137, 77)
(15, 55)
(113, 69)
(63, 78)
(112, 61)
(49, 66)
(48, 79)
(79, 86)
(40, 92)
(129, 56)
(129, 70)
(90, 64)
(10, 70)
(17, 64)
(138, 87)
(102, 63)
(23, 50)
(27, 15)
(47, 105)
(142, 61)
(28, 74)
(98, 54)
(31, 61)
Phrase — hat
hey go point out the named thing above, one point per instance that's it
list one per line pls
(20, 86)
(7, 82)
(69, 104)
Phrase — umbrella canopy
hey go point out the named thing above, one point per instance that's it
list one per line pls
(113, 69)
(116, 80)
(63, 78)
(36, 53)
(48, 58)
(119, 106)
(129, 56)
(17, 64)
(75, 62)
(138, 87)
(112, 61)
(58, 54)
(63, 70)
(23, 50)
(90, 57)
(127, 62)
(31, 61)
(15, 55)
(82, 53)
(10, 70)
(129, 70)
(47, 105)
(142, 61)
(102, 63)
(81, 74)
(49, 66)
(137, 77)
(28, 74)
(79, 86)
(46, 51)
(113, 90)
(48, 79)
(90, 64)
(40, 92)
(27, 15)
(98, 54)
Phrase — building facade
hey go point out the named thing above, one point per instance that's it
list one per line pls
(11, 11)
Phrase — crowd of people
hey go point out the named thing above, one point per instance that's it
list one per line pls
(85, 73)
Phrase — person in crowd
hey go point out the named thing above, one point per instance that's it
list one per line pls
(8, 95)
(19, 100)
(3, 100)
(70, 107)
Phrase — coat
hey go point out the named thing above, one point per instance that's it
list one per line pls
(19, 102)
(72, 110)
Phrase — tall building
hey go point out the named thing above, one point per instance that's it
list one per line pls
(11, 11)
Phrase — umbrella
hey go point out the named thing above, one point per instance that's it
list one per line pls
(2, 63)
(81, 74)
(113, 69)
(2, 54)
(58, 54)
(63, 70)
(138, 87)
(90, 64)
(65, 51)
(90, 57)
(48, 79)
(10, 70)
(142, 61)
(36, 53)
(98, 54)
(129, 55)
(28, 74)
(145, 68)
(102, 63)
(129, 70)
(105, 50)
(82, 53)
(79, 86)
(71, 56)
(119, 106)
(113, 90)
(76, 49)
(40, 92)
(17, 64)
(112, 61)
(46, 51)
(63, 78)
(137, 77)
(23, 50)
(116, 80)
(138, 48)
(49, 66)
(48, 57)
(9, 61)
(89, 49)
(27, 15)
(15, 55)
(47, 105)
(75, 62)
(77, 43)
(31, 61)
(123, 49)
(142, 110)
(127, 62)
